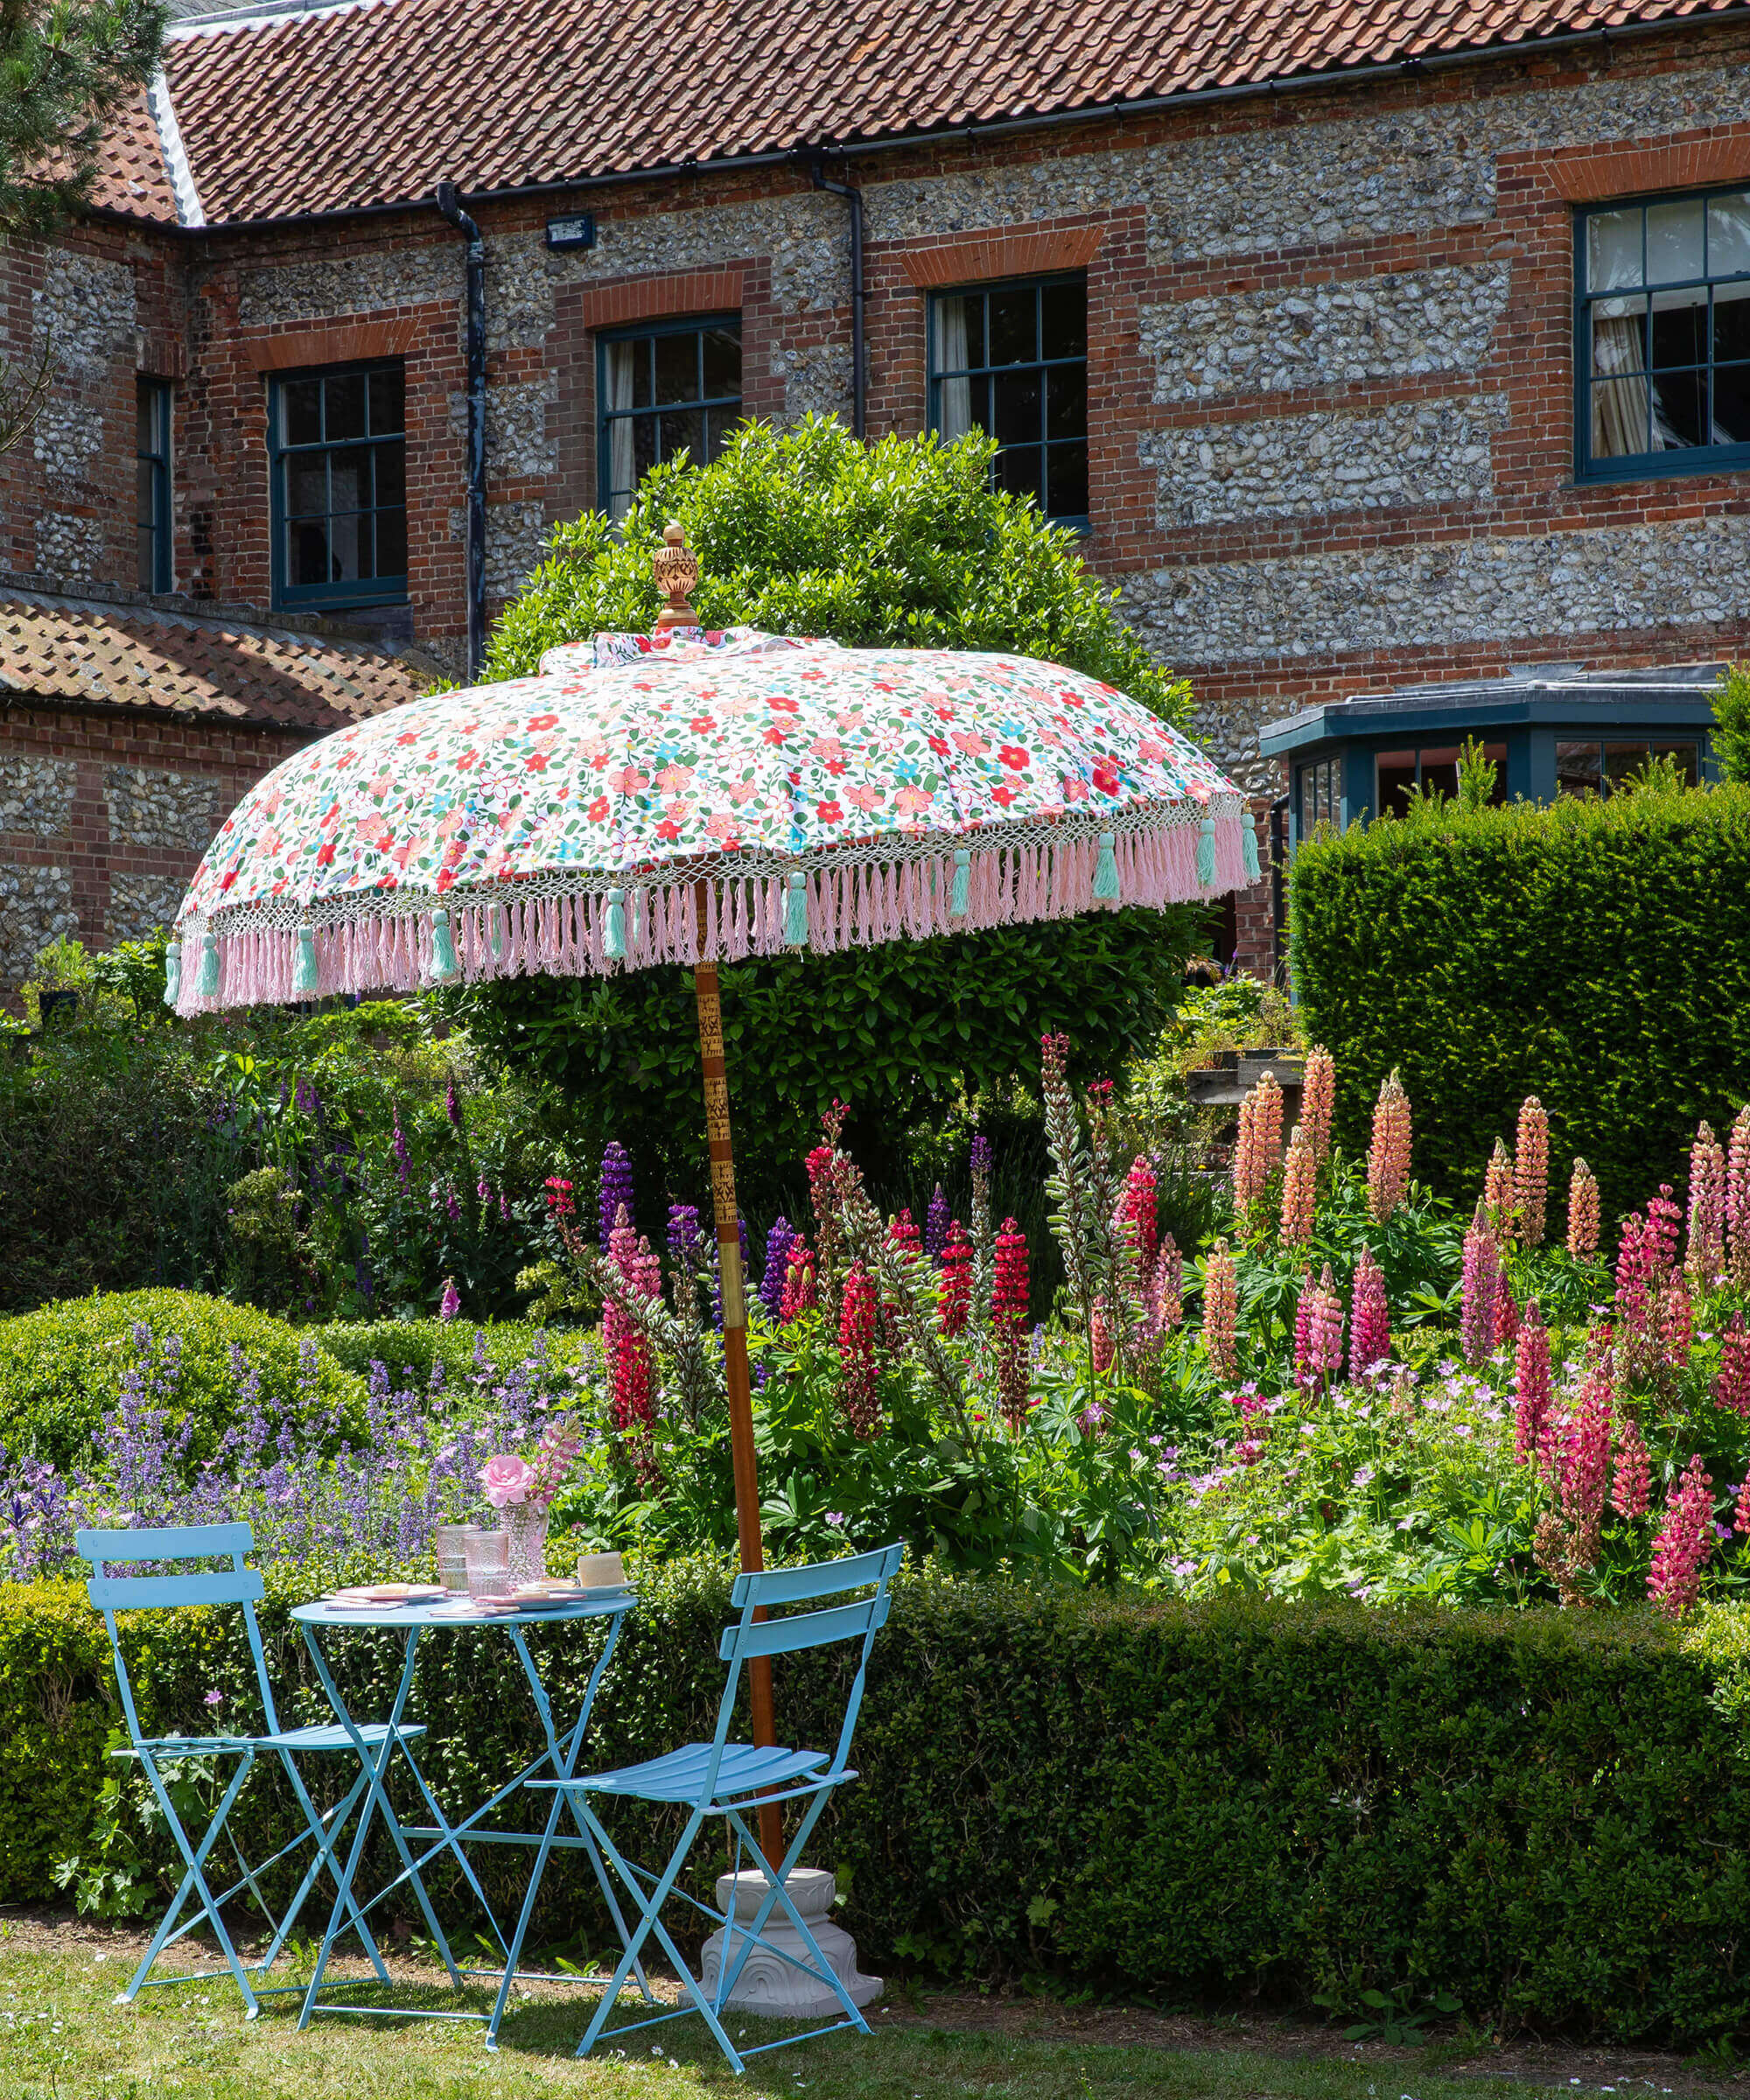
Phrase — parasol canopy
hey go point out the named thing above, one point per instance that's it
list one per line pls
(828, 798)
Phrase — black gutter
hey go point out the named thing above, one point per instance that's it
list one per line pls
(860, 384)
(971, 133)
(448, 200)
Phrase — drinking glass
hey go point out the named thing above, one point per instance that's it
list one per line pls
(487, 1554)
(452, 1560)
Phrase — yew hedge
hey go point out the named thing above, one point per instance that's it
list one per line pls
(1542, 1813)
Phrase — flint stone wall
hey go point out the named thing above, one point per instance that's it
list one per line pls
(175, 812)
(36, 796)
(86, 307)
(1413, 452)
(68, 549)
(1390, 326)
(1614, 580)
(36, 908)
(140, 904)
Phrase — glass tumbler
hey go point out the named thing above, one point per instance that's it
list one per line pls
(452, 1560)
(487, 1554)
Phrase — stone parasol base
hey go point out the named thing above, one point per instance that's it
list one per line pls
(767, 1984)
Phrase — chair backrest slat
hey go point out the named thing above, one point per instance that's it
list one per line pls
(175, 1542)
(156, 1592)
(804, 1629)
(820, 1578)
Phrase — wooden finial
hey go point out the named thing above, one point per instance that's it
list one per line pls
(676, 571)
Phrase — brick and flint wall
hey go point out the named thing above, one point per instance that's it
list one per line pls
(1330, 369)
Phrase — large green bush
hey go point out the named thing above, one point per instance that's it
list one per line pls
(1594, 953)
(904, 543)
(1543, 1813)
(61, 1369)
(410, 1348)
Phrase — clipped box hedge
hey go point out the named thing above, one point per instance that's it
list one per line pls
(1545, 1813)
(1594, 953)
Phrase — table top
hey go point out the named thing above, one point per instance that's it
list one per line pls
(432, 1614)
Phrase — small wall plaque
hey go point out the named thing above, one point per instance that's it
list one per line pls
(577, 231)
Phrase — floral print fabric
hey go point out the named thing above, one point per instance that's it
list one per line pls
(748, 753)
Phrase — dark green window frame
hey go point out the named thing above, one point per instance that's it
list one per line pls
(1597, 765)
(155, 570)
(1662, 335)
(984, 374)
(337, 454)
(1318, 794)
(636, 428)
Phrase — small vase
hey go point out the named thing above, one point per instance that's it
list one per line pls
(526, 1525)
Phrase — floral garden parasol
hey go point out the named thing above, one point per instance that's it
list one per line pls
(689, 796)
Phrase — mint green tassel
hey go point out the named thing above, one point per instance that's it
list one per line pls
(1249, 846)
(1206, 854)
(613, 934)
(497, 935)
(172, 973)
(960, 897)
(443, 965)
(206, 984)
(1106, 871)
(303, 971)
(796, 913)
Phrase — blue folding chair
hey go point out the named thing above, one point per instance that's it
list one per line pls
(732, 1780)
(236, 1585)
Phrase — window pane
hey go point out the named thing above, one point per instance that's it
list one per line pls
(1067, 468)
(1018, 407)
(677, 371)
(1577, 769)
(1728, 234)
(1679, 328)
(1613, 251)
(1014, 326)
(147, 438)
(391, 542)
(307, 552)
(1679, 410)
(685, 430)
(643, 353)
(1063, 320)
(1440, 778)
(1732, 404)
(1674, 240)
(344, 406)
(1619, 419)
(301, 412)
(344, 537)
(1685, 756)
(349, 479)
(146, 494)
(388, 410)
(1066, 411)
(643, 449)
(391, 472)
(1731, 323)
(1018, 471)
(1396, 778)
(722, 363)
(145, 553)
(306, 484)
(1618, 336)
(719, 422)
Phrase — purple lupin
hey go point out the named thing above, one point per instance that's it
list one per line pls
(936, 1225)
(616, 1190)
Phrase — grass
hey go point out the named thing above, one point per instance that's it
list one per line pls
(63, 2037)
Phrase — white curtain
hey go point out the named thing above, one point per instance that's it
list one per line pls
(620, 367)
(955, 413)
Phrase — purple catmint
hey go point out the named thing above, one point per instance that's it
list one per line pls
(616, 1192)
(936, 1225)
(778, 1241)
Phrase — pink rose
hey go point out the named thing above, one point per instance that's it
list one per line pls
(507, 1478)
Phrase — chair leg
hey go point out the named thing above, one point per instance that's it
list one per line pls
(327, 1839)
(650, 1920)
(194, 1880)
(776, 1894)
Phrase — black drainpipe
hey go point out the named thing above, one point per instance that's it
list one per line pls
(449, 202)
(859, 385)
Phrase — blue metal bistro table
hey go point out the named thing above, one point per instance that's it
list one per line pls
(557, 1761)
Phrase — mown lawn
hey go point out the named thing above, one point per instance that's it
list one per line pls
(63, 2037)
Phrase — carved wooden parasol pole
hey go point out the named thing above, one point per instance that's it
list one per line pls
(676, 571)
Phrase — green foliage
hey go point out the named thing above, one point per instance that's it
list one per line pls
(904, 542)
(408, 1348)
(1540, 1814)
(1732, 723)
(1594, 953)
(65, 68)
(62, 1366)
